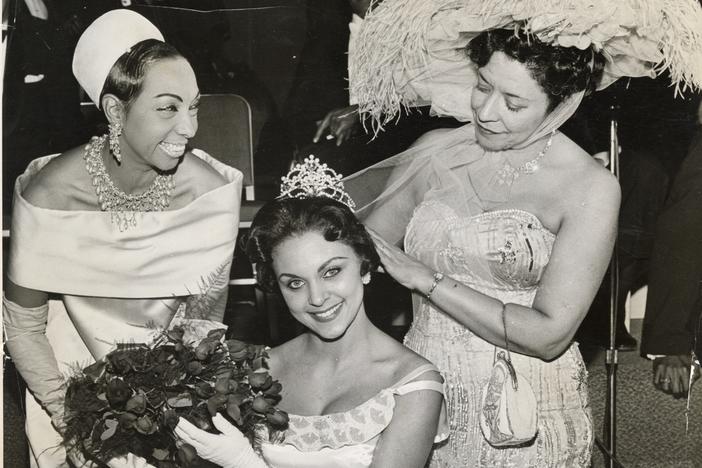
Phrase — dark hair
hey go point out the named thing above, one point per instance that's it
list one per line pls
(126, 76)
(560, 71)
(281, 219)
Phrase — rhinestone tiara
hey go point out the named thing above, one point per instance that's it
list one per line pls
(312, 179)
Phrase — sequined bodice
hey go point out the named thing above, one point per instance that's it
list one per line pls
(501, 253)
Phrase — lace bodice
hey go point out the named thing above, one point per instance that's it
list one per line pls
(347, 438)
(500, 253)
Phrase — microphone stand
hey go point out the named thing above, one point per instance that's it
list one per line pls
(611, 356)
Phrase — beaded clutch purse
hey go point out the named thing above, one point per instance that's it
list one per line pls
(509, 414)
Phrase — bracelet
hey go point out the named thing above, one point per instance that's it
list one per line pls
(438, 277)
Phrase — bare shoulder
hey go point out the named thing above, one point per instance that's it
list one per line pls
(284, 356)
(60, 182)
(587, 191)
(430, 136)
(406, 361)
(201, 176)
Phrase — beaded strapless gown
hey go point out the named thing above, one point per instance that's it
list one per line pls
(502, 254)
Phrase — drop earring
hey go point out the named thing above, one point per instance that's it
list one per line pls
(115, 130)
(365, 279)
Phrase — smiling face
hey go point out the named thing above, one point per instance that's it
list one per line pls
(508, 104)
(320, 282)
(161, 119)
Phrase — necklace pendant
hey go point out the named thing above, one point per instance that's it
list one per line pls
(507, 175)
(530, 167)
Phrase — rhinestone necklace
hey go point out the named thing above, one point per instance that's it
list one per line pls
(508, 174)
(156, 198)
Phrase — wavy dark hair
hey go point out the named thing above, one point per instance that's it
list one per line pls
(560, 71)
(281, 219)
(126, 77)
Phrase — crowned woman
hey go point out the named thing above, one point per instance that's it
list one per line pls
(508, 226)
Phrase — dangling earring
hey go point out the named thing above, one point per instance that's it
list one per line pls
(365, 279)
(115, 131)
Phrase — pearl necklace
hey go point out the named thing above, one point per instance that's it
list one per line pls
(156, 198)
(508, 174)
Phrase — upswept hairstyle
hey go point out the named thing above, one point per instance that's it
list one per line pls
(126, 77)
(281, 219)
(560, 71)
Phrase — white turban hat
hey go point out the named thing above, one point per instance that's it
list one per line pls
(104, 42)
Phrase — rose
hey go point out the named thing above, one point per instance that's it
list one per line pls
(278, 418)
(127, 420)
(274, 389)
(186, 455)
(194, 368)
(145, 425)
(235, 345)
(216, 402)
(84, 398)
(118, 392)
(163, 355)
(169, 418)
(226, 385)
(235, 399)
(176, 333)
(260, 380)
(261, 405)
(204, 349)
(136, 404)
(238, 350)
(222, 385)
(118, 362)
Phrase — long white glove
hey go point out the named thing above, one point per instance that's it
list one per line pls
(25, 332)
(230, 449)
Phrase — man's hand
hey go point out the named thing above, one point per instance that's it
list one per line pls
(671, 374)
(341, 124)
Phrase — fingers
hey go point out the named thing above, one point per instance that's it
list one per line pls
(678, 383)
(322, 127)
(658, 371)
(189, 433)
(342, 135)
(224, 426)
(668, 379)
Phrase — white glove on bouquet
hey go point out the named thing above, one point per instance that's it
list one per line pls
(230, 449)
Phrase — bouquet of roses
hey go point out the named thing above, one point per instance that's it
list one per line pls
(130, 401)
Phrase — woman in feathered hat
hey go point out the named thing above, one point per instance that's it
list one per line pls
(508, 226)
(116, 227)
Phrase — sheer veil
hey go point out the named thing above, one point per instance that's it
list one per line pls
(449, 167)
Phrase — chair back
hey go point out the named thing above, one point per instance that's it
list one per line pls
(225, 133)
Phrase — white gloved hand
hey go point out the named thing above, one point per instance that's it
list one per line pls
(130, 461)
(230, 449)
